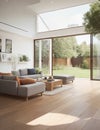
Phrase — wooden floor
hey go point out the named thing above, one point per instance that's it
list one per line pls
(77, 108)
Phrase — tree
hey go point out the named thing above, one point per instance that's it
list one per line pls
(92, 18)
(84, 49)
(64, 47)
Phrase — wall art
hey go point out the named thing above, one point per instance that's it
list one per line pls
(8, 46)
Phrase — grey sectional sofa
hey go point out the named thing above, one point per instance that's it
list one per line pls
(28, 72)
(9, 85)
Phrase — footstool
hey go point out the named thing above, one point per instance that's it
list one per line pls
(65, 78)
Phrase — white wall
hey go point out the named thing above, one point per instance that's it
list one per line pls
(18, 16)
(20, 45)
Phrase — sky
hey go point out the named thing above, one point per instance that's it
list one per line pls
(63, 18)
(83, 38)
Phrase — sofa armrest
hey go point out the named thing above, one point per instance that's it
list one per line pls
(31, 89)
(8, 87)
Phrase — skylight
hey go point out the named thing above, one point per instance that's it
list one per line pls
(60, 19)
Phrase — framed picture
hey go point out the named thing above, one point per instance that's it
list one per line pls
(0, 45)
(8, 46)
(5, 57)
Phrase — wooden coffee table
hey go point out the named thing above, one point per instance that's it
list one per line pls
(51, 84)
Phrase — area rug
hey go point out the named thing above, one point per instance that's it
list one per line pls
(57, 90)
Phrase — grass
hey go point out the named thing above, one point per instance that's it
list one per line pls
(76, 71)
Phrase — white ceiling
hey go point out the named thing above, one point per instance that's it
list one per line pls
(51, 5)
(19, 2)
(21, 13)
(40, 6)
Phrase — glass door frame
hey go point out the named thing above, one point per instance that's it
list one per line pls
(50, 56)
(91, 59)
(91, 56)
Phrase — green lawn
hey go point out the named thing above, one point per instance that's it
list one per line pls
(77, 72)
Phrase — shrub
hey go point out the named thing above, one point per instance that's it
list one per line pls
(85, 64)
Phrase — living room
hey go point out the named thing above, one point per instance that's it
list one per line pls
(77, 108)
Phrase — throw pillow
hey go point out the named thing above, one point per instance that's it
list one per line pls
(31, 71)
(27, 81)
(16, 73)
(23, 72)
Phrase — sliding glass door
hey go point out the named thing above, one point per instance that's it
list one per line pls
(44, 59)
(43, 56)
(95, 48)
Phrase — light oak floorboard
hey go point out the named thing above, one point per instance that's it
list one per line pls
(77, 108)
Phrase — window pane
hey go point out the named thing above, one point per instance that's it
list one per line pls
(71, 56)
(64, 18)
(96, 57)
(43, 55)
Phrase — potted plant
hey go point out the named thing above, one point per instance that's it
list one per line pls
(23, 58)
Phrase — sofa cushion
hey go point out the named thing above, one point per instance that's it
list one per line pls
(31, 71)
(27, 81)
(23, 72)
(16, 73)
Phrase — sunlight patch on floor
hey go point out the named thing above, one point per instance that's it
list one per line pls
(53, 119)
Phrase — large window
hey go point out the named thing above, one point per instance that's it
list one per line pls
(64, 55)
(71, 56)
(60, 19)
